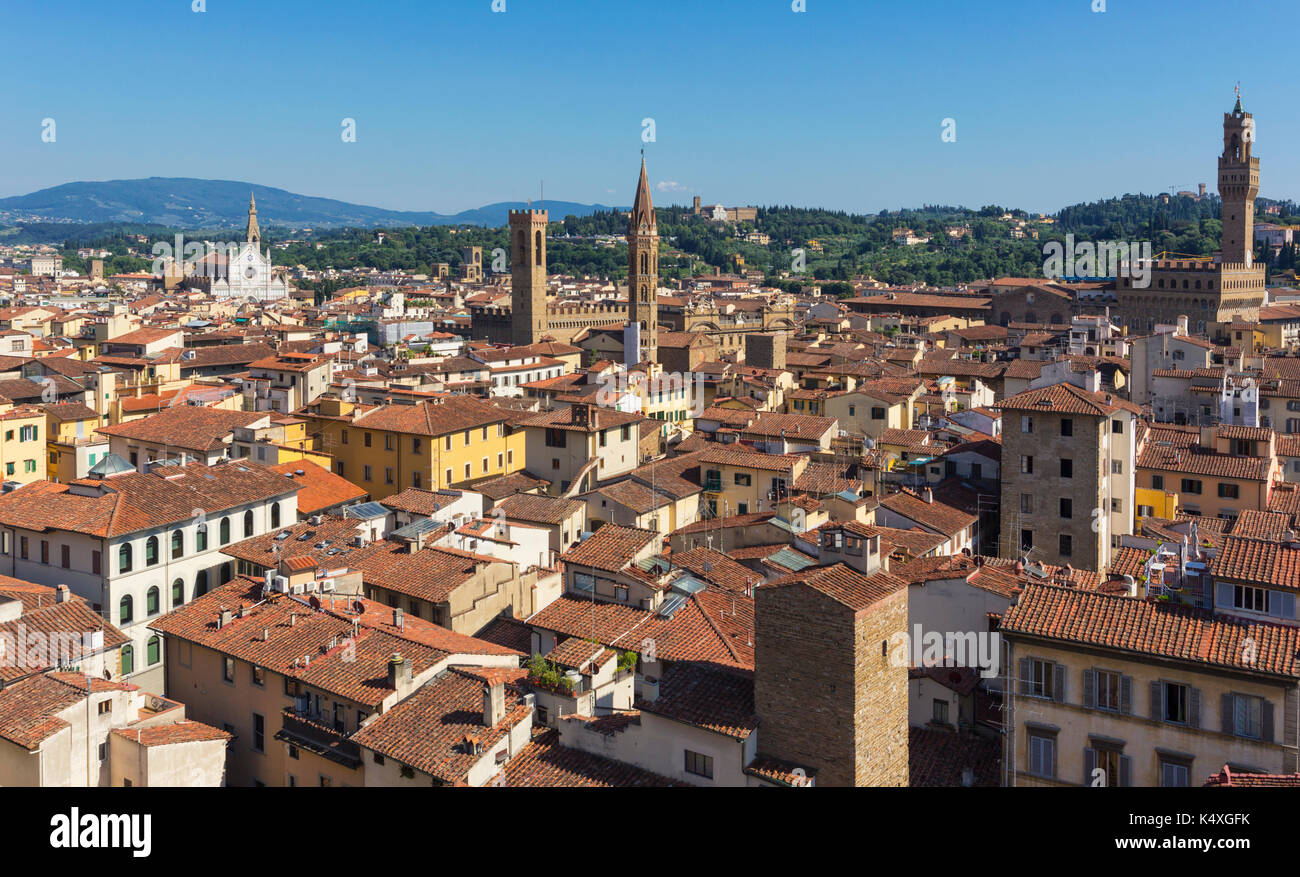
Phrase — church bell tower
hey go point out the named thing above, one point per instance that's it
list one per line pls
(643, 268)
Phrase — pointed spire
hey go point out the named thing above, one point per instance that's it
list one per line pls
(254, 233)
(1237, 110)
(643, 211)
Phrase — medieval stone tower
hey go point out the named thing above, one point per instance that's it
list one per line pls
(643, 269)
(1210, 293)
(528, 275)
(1238, 185)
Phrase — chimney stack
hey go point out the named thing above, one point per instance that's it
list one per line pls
(62, 594)
(399, 674)
(224, 618)
(494, 703)
(927, 494)
(398, 619)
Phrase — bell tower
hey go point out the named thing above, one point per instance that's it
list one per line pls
(528, 276)
(254, 233)
(643, 268)
(1238, 185)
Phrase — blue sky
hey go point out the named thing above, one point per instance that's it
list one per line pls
(840, 106)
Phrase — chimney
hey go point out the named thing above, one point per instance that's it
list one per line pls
(927, 494)
(224, 618)
(399, 674)
(967, 777)
(62, 594)
(494, 703)
(581, 414)
(397, 619)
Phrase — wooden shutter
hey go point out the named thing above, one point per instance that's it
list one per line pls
(1266, 720)
(1024, 675)
(1225, 595)
(1089, 765)
(1194, 707)
(1090, 688)
(1058, 689)
(1157, 702)
(1283, 605)
(1125, 771)
(1126, 695)
(1225, 714)
(1289, 717)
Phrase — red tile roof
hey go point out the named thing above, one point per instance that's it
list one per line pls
(320, 488)
(1160, 630)
(544, 762)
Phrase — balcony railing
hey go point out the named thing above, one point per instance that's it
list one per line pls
(301, 731)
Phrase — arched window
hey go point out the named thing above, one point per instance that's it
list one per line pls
(225, 531)
(128, 660)
(124, 559)
(178, 593)
(201, 537)
(248, 523)
(275, 514)
(178, 544)
(152, 651)
(151, 551)
(151, 601)
(201, 583)
(125, 610)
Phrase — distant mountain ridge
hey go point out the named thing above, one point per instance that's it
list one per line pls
(183, 202)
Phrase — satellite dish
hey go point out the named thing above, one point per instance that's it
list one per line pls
(315, 603)
(437, 506)
(359, 607)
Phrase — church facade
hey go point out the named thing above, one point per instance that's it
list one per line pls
(243, 270)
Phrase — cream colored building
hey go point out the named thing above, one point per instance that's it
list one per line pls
(1106, 689)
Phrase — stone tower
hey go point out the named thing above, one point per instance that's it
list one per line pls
(643, 268)
(830, 692)
(254, 233)
(1210, 293)
(527, 275)
(1238, 185)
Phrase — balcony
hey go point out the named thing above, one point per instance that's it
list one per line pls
(297, 729)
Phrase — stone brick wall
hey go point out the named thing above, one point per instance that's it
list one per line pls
(881, 690)
(803, 682)
(826, 696)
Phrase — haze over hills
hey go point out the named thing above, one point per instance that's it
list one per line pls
(191, 203)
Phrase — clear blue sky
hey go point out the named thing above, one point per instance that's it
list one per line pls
(839, 106)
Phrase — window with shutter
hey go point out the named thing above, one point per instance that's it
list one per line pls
(1042, 755)
(1174, 774)
(1224, 595)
